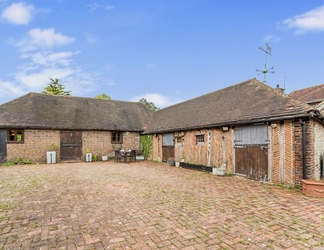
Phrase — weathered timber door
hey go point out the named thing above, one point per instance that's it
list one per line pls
(71, 145)
(3, 146)
(251, 152)
(167, 146)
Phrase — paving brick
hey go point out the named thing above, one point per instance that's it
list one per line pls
(145, 205)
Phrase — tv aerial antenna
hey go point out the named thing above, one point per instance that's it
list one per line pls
(265, 71)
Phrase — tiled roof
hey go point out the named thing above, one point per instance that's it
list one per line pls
(246, 102)
(36, 110)
(313, 94)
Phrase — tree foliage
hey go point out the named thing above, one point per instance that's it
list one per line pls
(55, 88)
(149, 104)
(103, 97)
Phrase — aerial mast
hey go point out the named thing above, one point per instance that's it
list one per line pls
(265, 70)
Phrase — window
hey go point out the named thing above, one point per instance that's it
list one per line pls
(15, 135)
(200, 139)
(179, 139)
(117, 137)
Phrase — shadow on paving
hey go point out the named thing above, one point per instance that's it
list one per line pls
(147, 205)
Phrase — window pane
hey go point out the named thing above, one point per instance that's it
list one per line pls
(11, 135)
(19, 135)
(200, 138)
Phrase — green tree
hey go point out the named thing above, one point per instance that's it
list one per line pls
(55, 88)
(149, 104)
(103, 97)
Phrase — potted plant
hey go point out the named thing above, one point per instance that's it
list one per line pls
(51, 153)
(88, 155)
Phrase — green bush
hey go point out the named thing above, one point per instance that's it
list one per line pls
(146, 141)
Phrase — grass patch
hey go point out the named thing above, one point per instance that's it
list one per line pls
(17, 161)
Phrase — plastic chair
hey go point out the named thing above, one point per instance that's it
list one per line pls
(118, 156)
(132, 155)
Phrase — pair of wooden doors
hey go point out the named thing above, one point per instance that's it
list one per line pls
(251, 152)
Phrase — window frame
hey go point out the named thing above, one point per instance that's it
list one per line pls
(118, 137)
(15, 135)
(200, 139)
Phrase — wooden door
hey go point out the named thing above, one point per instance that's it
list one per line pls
(167, 146)
(251, 151)
(71, 145)
(252, 161)
(3, 146)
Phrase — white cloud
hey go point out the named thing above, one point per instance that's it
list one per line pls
(41, 39)
(39, 79)
(49, 58)
(10, 89)
(93, 7)
(18, 13)
(310, 21)
(159, 101)
(271, 38)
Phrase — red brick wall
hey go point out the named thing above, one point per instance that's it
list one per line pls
(289, 154)
(309, 150)
(35, 145)
(37, 142)
(99, 142)
(282, 160)
(275, 153)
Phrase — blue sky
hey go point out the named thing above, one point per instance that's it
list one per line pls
(166, 51)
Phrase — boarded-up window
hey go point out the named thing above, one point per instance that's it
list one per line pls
(168, 140)
(251, 135)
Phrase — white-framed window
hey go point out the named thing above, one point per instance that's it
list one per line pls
(200, 139)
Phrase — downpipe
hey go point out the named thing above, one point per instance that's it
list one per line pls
(303, 147)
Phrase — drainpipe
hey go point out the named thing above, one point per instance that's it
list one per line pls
(303, 146)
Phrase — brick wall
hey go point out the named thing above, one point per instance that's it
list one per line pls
(35, 145)
(275, 152)
(99, 142)
(37, 142)
(309, 150)
(282, 153)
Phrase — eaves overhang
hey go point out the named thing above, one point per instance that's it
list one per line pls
(235, 123)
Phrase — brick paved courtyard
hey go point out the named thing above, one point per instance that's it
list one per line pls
(146, 205)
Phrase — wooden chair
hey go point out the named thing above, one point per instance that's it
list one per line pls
(118, 156)
(132, 156)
